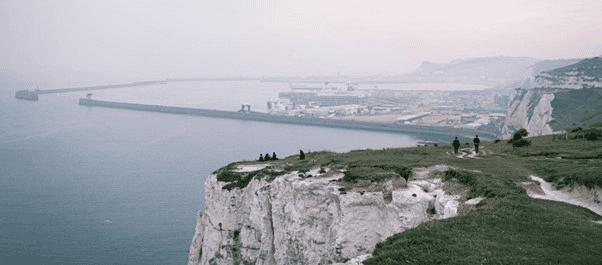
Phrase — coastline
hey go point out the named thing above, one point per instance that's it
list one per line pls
(440, 135)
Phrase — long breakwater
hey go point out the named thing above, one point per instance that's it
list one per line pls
(33, 95)
(437, 134)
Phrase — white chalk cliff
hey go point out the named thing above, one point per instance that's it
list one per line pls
(294, 220)
(572, 85)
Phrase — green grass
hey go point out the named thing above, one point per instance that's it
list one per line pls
(509, 227)
(506, 228)
(513, 230)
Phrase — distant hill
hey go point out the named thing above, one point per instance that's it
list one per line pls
(485, 70)
(427, 67)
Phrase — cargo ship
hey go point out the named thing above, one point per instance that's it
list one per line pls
(27, 95)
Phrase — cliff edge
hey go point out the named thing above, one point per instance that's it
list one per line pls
(310, 217)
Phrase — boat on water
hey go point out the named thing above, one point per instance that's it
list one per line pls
(27, 95)
(426, 143)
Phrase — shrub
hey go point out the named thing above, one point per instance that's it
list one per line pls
(301, 155)
(577, 129)
(518, 135)
(261, 157)
(435, 145)
(274, 156)
(521, 143)
(497, 141)
(592, 136)
(267, 157)
(521, 133)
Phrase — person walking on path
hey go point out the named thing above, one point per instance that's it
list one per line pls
(456, 144)
(476, 142)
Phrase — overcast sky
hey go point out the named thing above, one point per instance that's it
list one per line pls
(73, 42)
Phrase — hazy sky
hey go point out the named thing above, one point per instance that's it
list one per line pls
(75, 42)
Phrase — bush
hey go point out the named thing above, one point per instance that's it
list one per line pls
(520, 134)
(592, 136)
(577, 129)
(521, 143)
(274, 156)
(497, 141)
(267, 157)
(261, 157)
(301, 155)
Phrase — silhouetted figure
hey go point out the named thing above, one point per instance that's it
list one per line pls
(476, 142)
(266, 157)
(456, 144)
(274, 156)
(261, 157)
(301, 155)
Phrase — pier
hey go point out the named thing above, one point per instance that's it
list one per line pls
(33, 95)
(437, 134)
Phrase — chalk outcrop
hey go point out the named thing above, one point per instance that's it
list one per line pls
(576, 195)
(295, 220)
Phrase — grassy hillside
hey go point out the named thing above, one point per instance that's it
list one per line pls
(509, 227)
(506, 228)
(577, 108)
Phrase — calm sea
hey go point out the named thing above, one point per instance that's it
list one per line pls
(86, 185)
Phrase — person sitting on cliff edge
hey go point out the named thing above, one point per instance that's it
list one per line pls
(476, 142)
(456, 144)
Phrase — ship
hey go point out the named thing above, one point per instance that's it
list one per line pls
(27, 95)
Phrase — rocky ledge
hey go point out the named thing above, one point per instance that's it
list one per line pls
(305, 218)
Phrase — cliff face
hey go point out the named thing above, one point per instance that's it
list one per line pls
(557, 99)
(530, 109)
(584, 74)
(295, 220)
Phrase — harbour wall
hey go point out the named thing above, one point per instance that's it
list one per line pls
(33, 94)
(436, 134)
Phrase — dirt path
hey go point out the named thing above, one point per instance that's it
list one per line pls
(550, 193)
(470, 153)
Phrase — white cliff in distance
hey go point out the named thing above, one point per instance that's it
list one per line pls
(556, 96)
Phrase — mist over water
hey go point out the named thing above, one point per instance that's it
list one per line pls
(85, 185)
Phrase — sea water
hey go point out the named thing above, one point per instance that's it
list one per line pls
(89, 185)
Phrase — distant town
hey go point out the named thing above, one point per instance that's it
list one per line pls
(461, 109)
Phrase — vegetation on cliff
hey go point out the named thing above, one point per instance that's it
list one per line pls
(509, 227)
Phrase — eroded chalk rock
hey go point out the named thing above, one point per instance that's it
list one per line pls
(294, 220)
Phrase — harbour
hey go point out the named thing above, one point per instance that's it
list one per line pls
(431, 133)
